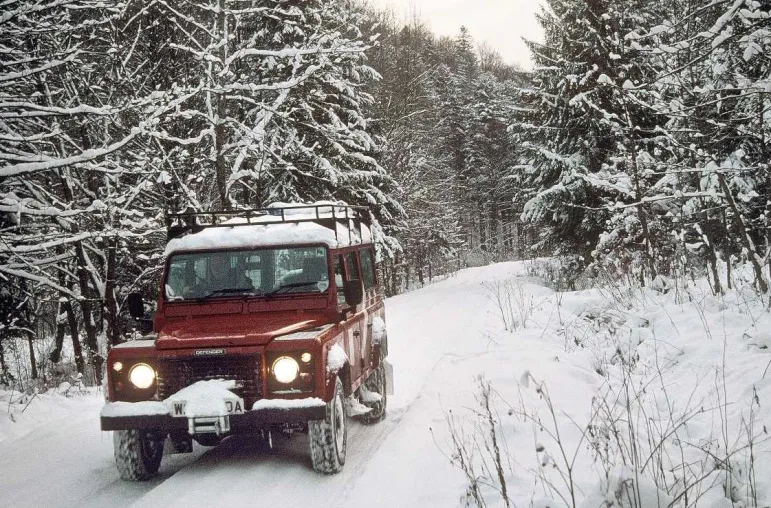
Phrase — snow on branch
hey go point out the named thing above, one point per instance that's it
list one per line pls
(292, 52)
(12, 76)
(48, 163)
(78, 110)
(42, 247)
(23, 274)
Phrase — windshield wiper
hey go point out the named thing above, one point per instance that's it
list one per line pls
(285, 287)
(228, 291)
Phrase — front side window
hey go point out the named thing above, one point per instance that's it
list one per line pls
(260, 272)
(339, 278)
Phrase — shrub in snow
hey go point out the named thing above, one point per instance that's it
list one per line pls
(626, 488)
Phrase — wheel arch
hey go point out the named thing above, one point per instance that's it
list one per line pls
(345, 378)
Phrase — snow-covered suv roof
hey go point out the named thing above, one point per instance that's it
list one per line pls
(285, 224)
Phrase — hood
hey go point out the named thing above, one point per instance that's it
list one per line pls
(233, 330)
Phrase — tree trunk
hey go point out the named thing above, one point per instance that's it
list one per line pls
(764, 157)
(3, 366)
(482, 228)
(87, 308)
(712, 259)
(32, 358)
(86, 305)
(642, 216)
(744, 236)
(110, 303)
(727, 252)
(56, 354)
(77, 349)
(495, 229)
(220, 134)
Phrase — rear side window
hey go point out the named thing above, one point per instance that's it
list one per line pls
(367, 269)
(353, 267)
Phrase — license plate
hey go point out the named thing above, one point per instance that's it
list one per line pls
(232, 407)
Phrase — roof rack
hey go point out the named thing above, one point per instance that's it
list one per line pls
(328, 215)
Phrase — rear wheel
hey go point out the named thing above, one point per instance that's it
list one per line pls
(138, 453)
(375, 384)
(328, 437)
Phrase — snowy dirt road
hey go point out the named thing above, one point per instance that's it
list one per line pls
(440, 338)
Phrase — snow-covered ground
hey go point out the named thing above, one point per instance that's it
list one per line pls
(683, 372)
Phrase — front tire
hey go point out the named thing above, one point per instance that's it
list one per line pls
(138, 454)
(328, 437)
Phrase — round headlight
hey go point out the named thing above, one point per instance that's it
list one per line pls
(285, 369)
(142, 376)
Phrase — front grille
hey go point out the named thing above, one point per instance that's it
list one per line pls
(177, 373)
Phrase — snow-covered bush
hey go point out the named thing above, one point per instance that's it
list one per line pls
(678, 418)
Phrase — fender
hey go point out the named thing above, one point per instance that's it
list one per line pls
(345, 377)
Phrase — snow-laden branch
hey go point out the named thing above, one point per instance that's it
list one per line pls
(208, 132)
(47, 163)
(42, 247)
(11, 138)
(12, 76)
(41, 262)
(291, 53)
(23, 274)
(253, 87)
(78, 110)
(48, 211)
(27, 8)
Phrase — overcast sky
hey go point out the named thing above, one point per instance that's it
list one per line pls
(501, 23)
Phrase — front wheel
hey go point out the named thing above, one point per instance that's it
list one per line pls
(328, 437)
(138, 453)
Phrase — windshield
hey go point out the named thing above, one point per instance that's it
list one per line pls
(262, 272)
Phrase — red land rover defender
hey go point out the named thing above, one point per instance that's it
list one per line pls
(268, 320)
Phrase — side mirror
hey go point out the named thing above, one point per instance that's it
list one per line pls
(354, 293)
(136, 305)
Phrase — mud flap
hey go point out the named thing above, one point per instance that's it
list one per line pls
(389, 373)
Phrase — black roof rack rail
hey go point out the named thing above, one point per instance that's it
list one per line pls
(351, 217)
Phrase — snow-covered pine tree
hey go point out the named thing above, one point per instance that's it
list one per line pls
(589, 131)
(273, 108)
(712, 85)
(406, 116)
(492, 155)
(317, 141)
(564, 140)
